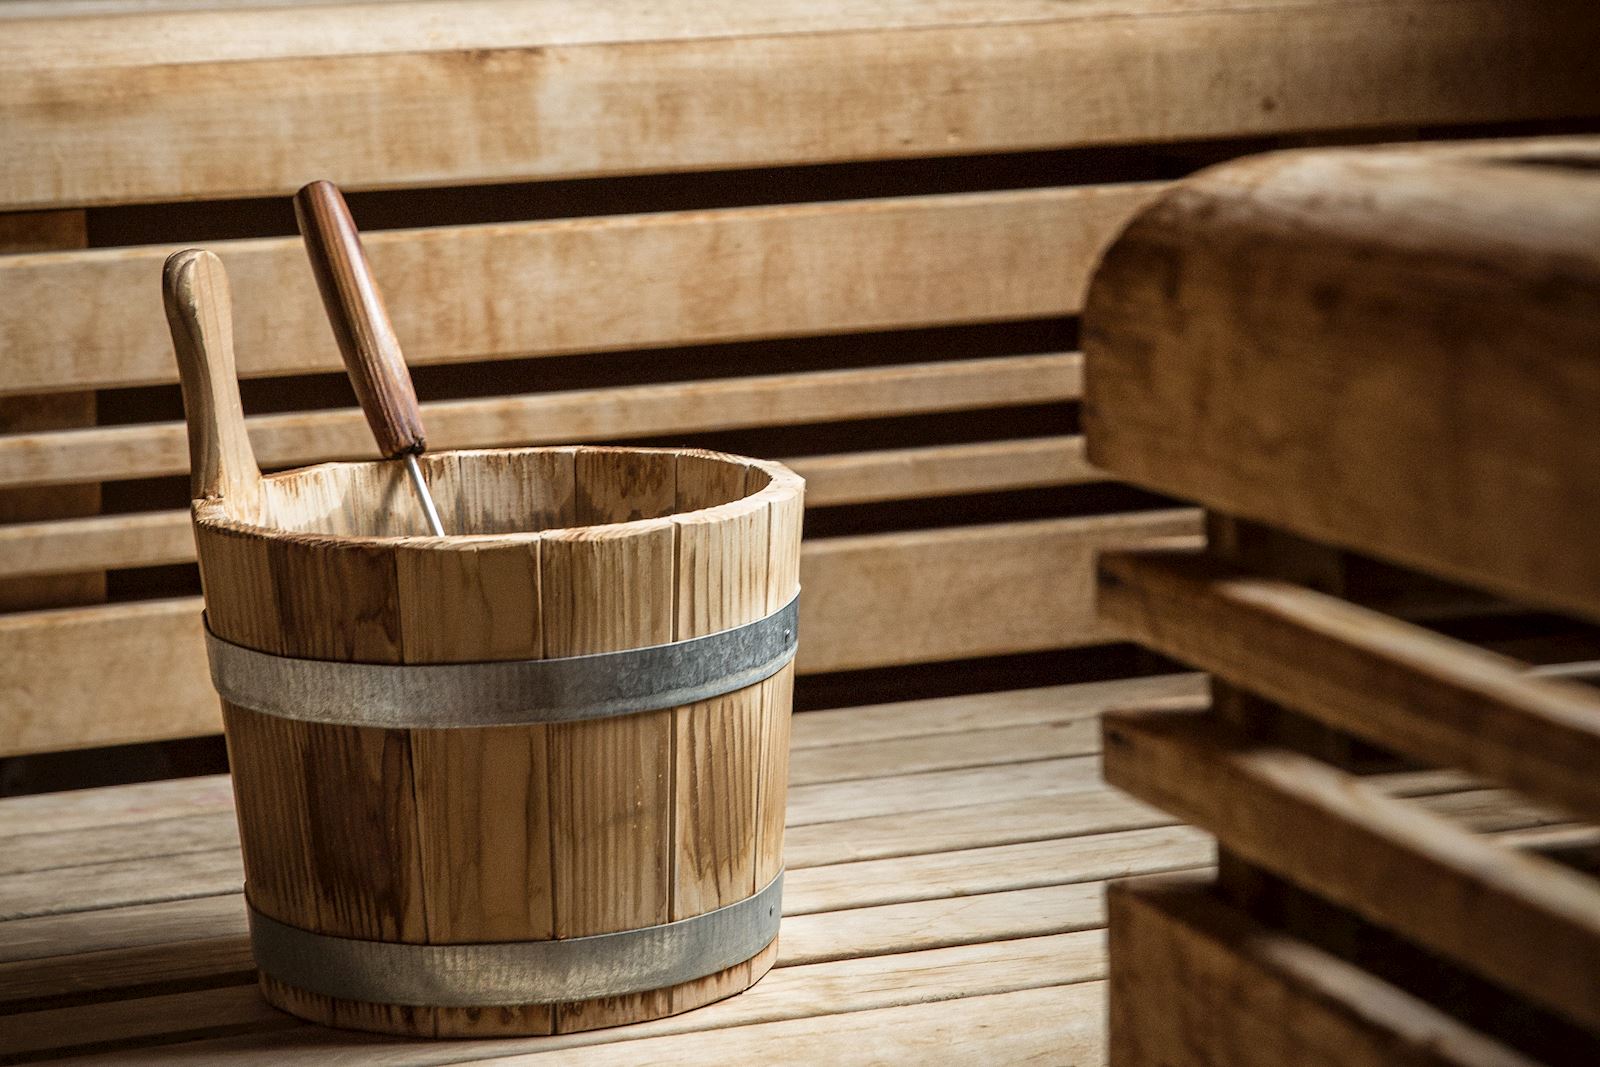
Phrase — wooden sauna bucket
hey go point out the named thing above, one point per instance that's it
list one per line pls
(609, 848)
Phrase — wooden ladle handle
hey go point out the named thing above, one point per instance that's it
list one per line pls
(200, 314)
(360, 322)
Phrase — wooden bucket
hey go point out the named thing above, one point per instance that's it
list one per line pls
(457, 819)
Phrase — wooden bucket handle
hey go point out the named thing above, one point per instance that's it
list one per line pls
(222, 465)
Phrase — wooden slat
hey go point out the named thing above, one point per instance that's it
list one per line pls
(115, 805)
(1196, 983)
(172, 1017)
(1043, 1023)
(944, 470)
(840, 728)
(1389, 351)
(629, 281)
(915, 755)
(1397, 685)
(987, 816)
(787, 993)
(867, 603)
(181, 912)
(982, 590)
(1060, 1022)
(145, 539)
(499, 92)
(106, 808)
(61, 665)
(995, 869)
(831, 877)
(35, 232)
(109, 869)
(221, 956)
(150, 449)
(1516, 919)
(148, 539)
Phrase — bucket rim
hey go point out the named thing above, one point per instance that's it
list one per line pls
(216, 514)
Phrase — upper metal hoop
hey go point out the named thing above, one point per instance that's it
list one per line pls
(505, 692)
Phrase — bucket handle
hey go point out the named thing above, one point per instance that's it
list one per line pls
(222, 464)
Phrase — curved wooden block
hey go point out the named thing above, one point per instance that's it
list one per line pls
(1391, 350)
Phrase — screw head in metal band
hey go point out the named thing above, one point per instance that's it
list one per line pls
(518, 972)
(506, 692)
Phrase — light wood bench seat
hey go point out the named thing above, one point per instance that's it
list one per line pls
(947, 860)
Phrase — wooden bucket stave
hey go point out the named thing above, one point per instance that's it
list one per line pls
(503, 834)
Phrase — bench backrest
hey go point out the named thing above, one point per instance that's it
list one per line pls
(900, 329)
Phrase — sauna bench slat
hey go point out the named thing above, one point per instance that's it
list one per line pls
(947, 861)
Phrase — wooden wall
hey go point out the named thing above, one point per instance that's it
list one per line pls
(856, 239)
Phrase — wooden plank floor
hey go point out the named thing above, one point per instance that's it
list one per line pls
(947, 860)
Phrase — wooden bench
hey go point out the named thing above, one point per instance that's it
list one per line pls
(854, 239)
(1360, 356)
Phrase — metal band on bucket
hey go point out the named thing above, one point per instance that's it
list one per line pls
(505, 692)
(518, 972)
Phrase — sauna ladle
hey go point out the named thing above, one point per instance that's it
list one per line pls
(366, 339)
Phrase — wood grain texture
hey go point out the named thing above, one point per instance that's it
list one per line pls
(691, 277)
(505, 833)
(129, 944)
(953, 931)
(610, 844)
(199, 305)
(289, 439)
(1404, 335)
(129, 866)
(1395, 684)
(361, 327)
(52, 830)
(38, 232)
(940, 470)
(721, 567)
(998, 566)
(1194, 982)
(482, 795)
(790, 993)
(145, 539)
(1516, 919)
(782, 584)
(327, 814)
(498, 92)
(868, 603)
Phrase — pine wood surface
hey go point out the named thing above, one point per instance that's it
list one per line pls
(499, 91)
(48, 686)
(79, 582)
(690, 277)
(1406, 336)
(570, 416)
(1195, 981)
(1515, 918)
(1363, 353)
(143, 539)
(1395, 684)
(875, 936)
(488, 91)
